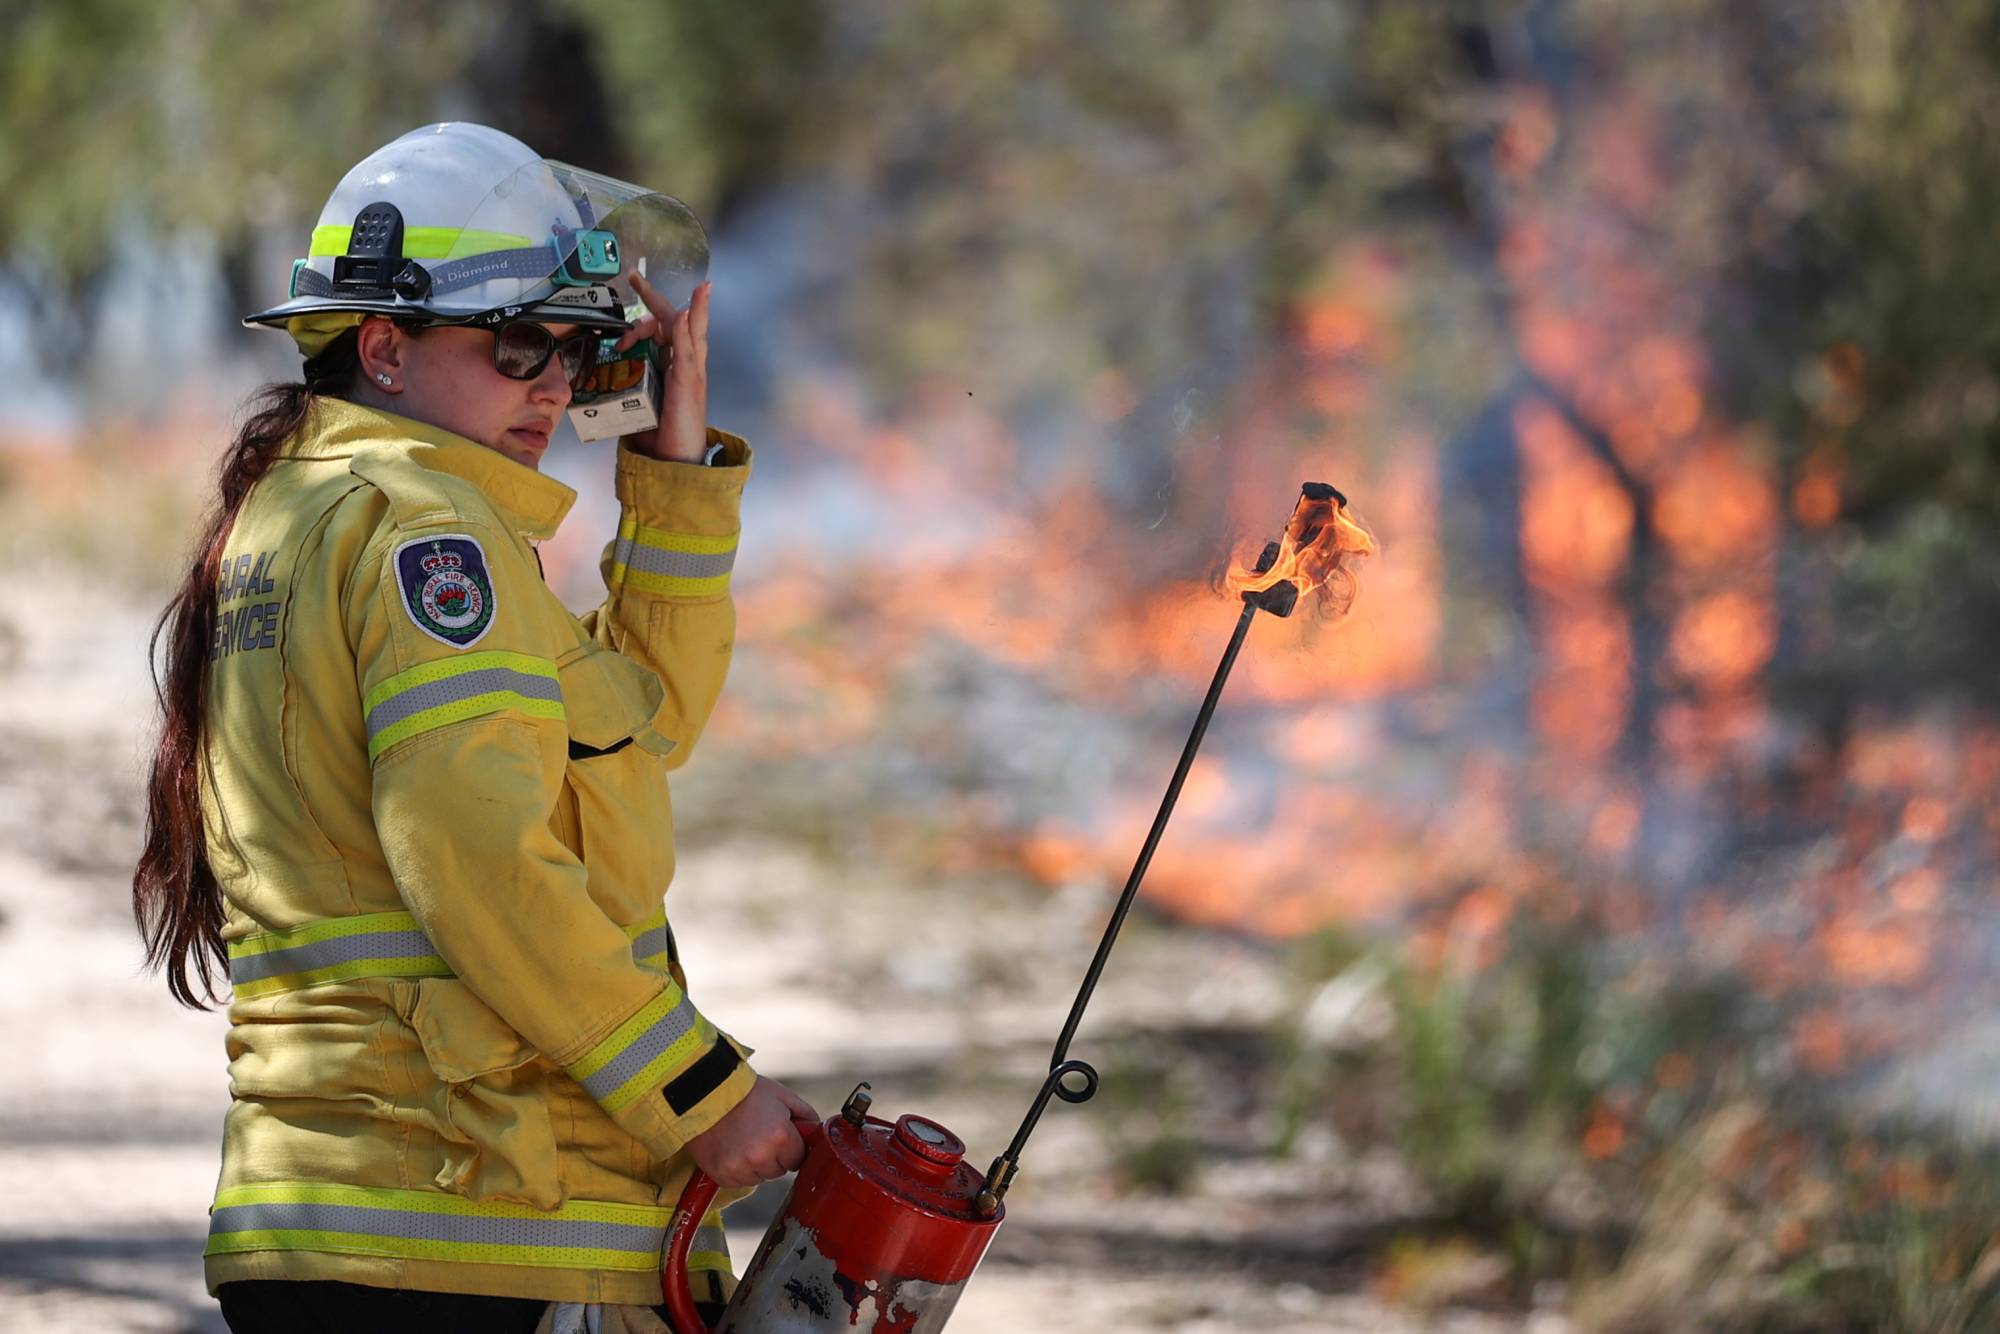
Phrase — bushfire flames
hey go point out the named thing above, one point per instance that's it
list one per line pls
(1557, 691)
(1366, 736)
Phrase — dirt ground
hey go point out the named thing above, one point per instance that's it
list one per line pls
(110, 1119)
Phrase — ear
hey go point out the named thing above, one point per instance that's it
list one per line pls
(379, 345)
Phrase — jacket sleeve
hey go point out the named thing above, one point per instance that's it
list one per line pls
(467, 742)
(667, 580)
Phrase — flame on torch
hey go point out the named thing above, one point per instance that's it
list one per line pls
(1315, 553)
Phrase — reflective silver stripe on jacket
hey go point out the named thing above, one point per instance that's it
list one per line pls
(379, 945)
(336, 949)
(655, 1041)
(389, 944)
(463, 1231)
(637, 555)
(452, 689)
(652, 941)
(421, 1224)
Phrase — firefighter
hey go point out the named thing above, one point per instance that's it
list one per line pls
(417, 809)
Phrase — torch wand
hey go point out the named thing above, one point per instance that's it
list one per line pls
(1314, 530)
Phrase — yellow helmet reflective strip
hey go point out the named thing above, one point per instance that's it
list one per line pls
(422, 242)
(429, 1225)
(652, 943)
(385, 944)
(659, 1037)
(654, 560)
(436, 694)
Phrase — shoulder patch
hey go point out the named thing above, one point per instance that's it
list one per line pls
(446, 587)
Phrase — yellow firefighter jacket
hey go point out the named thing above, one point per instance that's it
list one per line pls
(460, 1053)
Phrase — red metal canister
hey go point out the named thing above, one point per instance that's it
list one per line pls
(879, 1234)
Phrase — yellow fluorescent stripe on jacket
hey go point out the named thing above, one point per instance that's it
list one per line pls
(688, 565)
(361, 1220)
(451, 690)
(652, 943)
(639, 1054)
(437, 804)
(387, 944)
(427, 1225)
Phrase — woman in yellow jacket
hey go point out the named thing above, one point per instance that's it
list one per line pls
(416, 808)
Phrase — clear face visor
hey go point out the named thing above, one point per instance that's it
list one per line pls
(553, 234)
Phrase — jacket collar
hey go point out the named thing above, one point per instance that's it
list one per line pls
(534, 504)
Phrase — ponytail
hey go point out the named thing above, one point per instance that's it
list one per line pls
(175, 895)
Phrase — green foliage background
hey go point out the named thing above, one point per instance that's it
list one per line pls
(1203, 160)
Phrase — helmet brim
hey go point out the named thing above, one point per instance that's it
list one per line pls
(541, 312)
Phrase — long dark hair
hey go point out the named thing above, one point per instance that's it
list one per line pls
(175, 895)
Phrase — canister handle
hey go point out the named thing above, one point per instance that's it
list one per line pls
(693, 1207)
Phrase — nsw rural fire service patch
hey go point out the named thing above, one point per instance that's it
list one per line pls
(446, 588)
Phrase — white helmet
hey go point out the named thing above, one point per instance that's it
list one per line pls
(458, 223)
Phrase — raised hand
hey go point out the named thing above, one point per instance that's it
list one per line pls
(683, 431)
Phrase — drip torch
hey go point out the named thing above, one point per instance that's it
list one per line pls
(886, 1221)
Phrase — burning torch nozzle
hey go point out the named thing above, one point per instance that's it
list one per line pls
(1280, 598)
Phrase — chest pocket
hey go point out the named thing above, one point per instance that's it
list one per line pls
(624, 815)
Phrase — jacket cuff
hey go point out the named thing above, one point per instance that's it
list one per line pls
(677, 528)
(692, 1102)
(686, 497)
(665, 1073)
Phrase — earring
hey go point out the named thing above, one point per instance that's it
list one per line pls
(383, 376)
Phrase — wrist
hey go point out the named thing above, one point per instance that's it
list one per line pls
(708, 453)
(645, 449)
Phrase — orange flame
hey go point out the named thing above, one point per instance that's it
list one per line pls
(1313, 554)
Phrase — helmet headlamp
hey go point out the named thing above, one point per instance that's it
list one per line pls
(374, 264)
(593, 261)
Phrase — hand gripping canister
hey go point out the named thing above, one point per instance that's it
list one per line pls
(881, 1230)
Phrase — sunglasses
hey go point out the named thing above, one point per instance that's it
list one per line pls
(521, 350)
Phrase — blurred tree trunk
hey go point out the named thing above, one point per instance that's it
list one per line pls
(538, 79)
(1483, 481)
